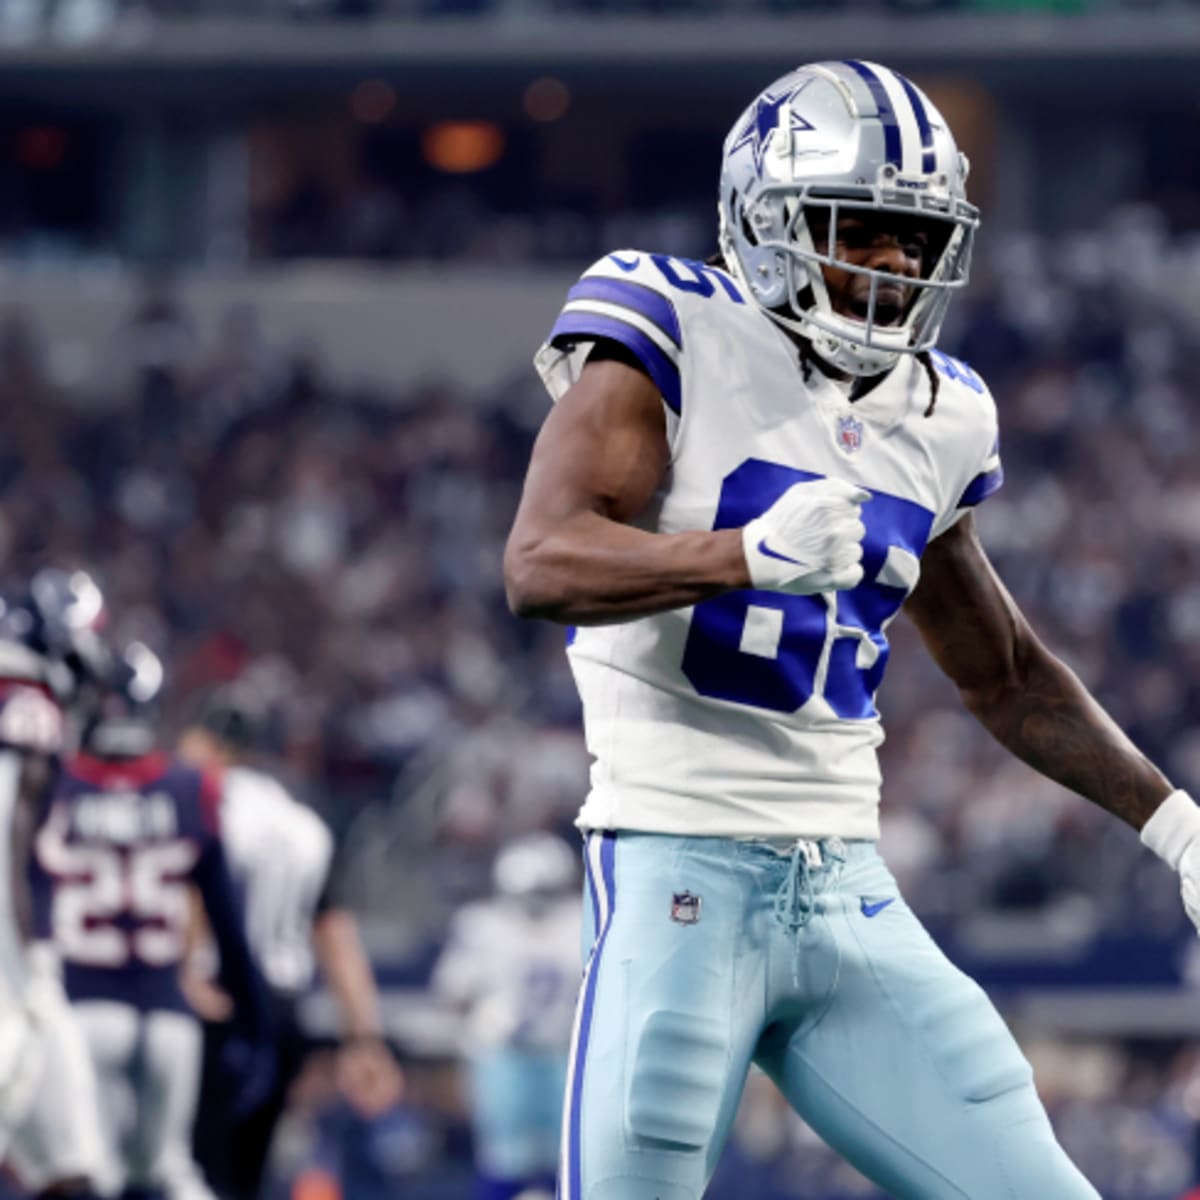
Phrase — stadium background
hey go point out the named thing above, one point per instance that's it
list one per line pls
(271, 274)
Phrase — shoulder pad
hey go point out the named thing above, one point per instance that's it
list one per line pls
(623, 299)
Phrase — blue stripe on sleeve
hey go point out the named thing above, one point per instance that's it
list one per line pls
(981, 487)
(891, 127)
(644, 301)
(658, 366)
(928, 159)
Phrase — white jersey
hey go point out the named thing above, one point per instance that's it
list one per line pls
(279, 853)
(30, 723)
(515, 970)
(752, 713)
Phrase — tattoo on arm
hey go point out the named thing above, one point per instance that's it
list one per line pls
(1051, 722)
(1029, 700)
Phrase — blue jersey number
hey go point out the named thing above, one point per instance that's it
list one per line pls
(766, 648)
(684, 275)
(952, 368)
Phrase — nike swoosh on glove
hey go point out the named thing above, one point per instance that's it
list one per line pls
(1173, 833)
(809, 540)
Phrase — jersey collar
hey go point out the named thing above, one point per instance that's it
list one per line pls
(885, 405)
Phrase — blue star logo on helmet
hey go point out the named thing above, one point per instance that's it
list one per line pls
(764, 121)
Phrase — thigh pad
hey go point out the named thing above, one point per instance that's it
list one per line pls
(678, 1079)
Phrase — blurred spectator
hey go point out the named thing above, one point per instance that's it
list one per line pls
(353, 1133)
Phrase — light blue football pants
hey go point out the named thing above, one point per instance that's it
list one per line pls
(516, 1105)
(707, 954)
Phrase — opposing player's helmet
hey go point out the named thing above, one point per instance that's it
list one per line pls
(534, 865)
(47, 632)
(843, 136)
(126, 689)
(237, 715)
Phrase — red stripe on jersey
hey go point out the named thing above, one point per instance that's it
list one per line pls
(210, 801)
(119, 772)
(12, 684)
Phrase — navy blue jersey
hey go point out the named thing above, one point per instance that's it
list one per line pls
(119, 846)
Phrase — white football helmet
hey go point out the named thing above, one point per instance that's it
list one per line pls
(535, 864)
(843, 136)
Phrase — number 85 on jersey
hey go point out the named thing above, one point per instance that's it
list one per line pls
(775, 651)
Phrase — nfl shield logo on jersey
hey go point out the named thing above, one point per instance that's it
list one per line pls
(685, 908)
(850, 432)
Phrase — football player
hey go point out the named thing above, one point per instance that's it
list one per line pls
(129, 832)
(511, 964)
(49, 1110)
(752, 466)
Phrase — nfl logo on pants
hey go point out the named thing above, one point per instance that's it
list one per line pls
(685, 908)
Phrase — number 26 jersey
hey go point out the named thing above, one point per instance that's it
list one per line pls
(752, 714)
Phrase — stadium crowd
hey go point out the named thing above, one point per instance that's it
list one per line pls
(338, 552)
(75, 20)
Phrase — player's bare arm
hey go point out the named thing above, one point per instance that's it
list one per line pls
(602, 455)
(572, 556)
(1028, 699)
(347, 971)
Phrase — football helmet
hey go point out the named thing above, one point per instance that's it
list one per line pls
(836, 137)
(534, 865)
(47, 633)
(120, 724)
(238, 716)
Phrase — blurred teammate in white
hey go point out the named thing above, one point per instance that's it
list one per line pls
(129, 831)
(512, 965)
(281, 855)
(752, 466)
(50, 1130)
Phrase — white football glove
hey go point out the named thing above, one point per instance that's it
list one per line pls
(809, 540)
(1173, 833)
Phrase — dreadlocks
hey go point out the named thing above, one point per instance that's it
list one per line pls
(935, 380)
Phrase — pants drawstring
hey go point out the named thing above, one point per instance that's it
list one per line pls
(796, 899)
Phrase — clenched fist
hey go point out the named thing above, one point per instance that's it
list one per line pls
(809, 540)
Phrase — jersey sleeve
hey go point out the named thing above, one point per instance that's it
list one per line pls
(988, 480)
(975, 471)
(622, 299)
(332, 876)
(210, 803)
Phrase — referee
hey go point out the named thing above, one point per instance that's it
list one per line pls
(280, 853)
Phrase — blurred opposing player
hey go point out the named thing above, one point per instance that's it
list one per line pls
(281, 855)
(752, 466)
(129, 831)
(49, 1109)
(512, 965)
